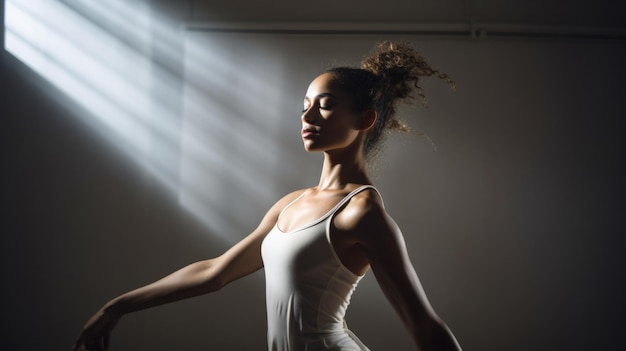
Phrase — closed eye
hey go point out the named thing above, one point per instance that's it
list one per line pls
(324, 102)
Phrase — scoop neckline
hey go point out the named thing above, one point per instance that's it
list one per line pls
(324, 216)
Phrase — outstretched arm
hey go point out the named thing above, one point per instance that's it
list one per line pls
(389, 260)
(195, 279)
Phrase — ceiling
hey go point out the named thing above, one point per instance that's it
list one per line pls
(581, 13)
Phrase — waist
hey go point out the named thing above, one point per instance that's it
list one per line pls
(339, 339)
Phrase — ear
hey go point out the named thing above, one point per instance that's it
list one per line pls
(368, 118)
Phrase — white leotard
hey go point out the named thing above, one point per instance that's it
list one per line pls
(308, 289)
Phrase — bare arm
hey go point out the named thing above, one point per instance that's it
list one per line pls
(195, 279)
(389, 260)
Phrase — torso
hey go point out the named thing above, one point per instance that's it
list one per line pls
(312, 267)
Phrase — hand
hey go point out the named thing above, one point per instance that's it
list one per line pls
(96, 333)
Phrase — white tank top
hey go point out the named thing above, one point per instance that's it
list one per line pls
(308, 289)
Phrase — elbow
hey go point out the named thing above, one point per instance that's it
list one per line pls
(213, 278)
(212, 285)
(216, 283)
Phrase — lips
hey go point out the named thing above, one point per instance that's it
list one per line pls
(308, 130)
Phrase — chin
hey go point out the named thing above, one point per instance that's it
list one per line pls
(309, 148)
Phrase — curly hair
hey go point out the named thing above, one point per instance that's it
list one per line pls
(392, 73)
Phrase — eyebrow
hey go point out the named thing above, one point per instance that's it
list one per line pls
(322, 95)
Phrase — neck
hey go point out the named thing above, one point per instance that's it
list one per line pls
(342, 168)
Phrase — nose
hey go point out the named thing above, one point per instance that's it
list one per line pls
(308, 115)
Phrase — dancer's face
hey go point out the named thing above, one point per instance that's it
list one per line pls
(328, 119)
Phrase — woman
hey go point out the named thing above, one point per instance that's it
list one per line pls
(316, 244)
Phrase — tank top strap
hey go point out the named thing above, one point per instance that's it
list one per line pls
(347, 198)
(280, 214)
(332, 211)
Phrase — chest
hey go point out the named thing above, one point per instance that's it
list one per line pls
(299, 254)
(308, 209)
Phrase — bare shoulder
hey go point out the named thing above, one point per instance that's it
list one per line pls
(284, 201)
(364, 214)
(272, 214)
(366, 221)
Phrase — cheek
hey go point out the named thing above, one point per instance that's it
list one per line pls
(345, 135)
(347, 126)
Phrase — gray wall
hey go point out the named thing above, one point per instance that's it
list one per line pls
(513, 223)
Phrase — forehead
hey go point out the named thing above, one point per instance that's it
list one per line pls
(324, 84)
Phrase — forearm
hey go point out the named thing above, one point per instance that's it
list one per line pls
(193, 280)
(405, 292)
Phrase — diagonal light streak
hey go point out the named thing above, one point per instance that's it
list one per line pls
(206, 131)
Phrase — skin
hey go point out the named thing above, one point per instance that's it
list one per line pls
(362, 233)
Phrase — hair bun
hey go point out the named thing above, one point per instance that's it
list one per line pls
(400, 68)
(390, 74)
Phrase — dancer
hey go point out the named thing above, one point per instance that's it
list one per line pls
(317, 243)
